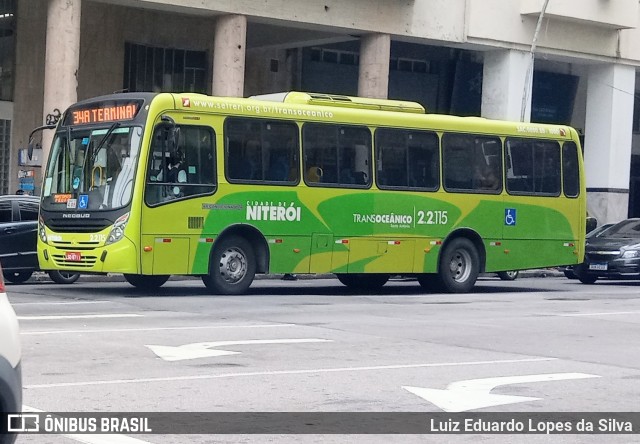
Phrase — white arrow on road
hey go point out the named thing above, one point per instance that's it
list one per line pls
(475, 393)
(203, 349)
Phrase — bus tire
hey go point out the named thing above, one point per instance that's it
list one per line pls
(363, 281)
(63, 277)
(17, 277)
(232, 266)
(144, 282)
(459, 266)
(508, 275)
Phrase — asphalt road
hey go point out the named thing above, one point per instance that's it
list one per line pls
(533, 345)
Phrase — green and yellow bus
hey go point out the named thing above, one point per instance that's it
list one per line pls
(152, 185)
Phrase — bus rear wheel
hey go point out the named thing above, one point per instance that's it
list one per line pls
(459, 266)
(232, 266)
(363, 281)
(146, 282)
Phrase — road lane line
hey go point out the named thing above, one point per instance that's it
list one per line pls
(286, 372)
(61, 303)
(135, 330)
(92, 439)
(611, 313)
(83, 316)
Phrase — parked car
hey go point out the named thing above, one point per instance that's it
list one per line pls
(614, 252)
(18, 240)
(568, 270)
(10, 357)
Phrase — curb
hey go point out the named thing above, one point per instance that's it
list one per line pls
(116, 277)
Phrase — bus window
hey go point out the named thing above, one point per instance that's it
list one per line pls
(570, 170)
(261, 150)
(533, 166)
(407, 159)
(185, 170)
(472, 163)
(337, 155)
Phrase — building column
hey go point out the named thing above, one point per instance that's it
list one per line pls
(61, 63)
(229, 56)
(607, 146)
(503, 83)
(373, 80)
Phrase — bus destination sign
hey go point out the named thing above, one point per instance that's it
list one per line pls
(103, 112)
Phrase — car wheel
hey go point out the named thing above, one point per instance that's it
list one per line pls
(146, 282)
(363, 281)
(587, 279)
(508, 275)
(63, 277)
(430, 282)
(459, 266)
(569, 274)
(16, 277)
(232, 266)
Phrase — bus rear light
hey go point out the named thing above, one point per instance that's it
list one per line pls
(495, 244)
(393, 242)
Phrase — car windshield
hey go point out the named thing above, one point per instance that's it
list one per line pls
(626, 228)
(92, 169)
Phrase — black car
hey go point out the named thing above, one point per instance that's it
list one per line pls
(18, 240)
(612, 253)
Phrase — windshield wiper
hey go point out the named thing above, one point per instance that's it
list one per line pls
(103, 140)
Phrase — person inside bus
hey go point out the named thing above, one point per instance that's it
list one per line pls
(486, 178)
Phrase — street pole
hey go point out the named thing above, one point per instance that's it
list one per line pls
(529, 77)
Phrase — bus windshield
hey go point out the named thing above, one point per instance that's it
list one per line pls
(92, 169)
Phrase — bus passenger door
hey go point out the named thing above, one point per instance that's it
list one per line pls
(321, 253)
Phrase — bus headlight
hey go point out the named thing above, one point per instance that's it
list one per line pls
(41, 230)
(117, 232)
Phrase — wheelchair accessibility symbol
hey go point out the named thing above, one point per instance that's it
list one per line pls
(509, 216)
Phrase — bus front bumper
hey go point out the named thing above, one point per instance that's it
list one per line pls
(120, 257)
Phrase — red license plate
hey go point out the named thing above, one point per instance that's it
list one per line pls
(73, 256)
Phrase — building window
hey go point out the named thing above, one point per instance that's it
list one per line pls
(148, 68)
(7, 48)
(5, 148)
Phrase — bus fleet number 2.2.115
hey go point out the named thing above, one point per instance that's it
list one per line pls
(432, 217)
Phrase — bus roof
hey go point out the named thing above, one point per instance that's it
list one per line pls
(295, 97)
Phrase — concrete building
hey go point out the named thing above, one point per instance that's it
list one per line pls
(467, 57)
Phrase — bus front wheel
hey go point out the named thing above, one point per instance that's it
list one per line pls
(232, 266)
(459, 266)
(146, 282)
(363, 281)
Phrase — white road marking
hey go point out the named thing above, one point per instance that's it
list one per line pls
(83, 316)
(611, 313)
(475, 394)
(61, 303)
(133, 330)
(286, 372)
(93, 439)
(203, 349)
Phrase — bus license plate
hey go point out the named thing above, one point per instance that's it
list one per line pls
(598, 267)
(73, 256)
